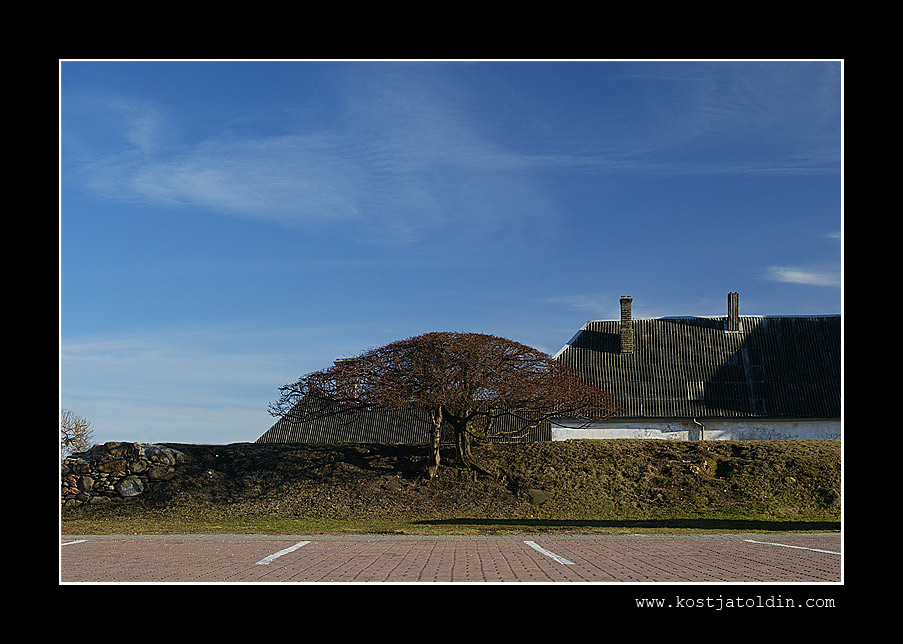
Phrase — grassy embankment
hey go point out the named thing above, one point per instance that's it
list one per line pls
(573, 486)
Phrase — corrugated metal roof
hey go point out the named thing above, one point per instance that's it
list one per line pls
(691, 368)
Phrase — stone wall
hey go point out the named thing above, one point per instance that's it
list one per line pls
(116, 470)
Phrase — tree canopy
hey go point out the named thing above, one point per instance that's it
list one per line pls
(465, 381)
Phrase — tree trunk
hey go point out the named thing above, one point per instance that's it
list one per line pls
(432, 467)
(462, 447)
(463, 442)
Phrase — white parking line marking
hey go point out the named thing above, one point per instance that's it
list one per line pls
(267, 560)
(784, 545)
(69, 543)
(557, 558)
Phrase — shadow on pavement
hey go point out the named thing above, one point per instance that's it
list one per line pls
(691, 524)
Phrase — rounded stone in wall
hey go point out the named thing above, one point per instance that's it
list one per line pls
(119, 450)
(163, 455)
(117, 465)
(129, 486)
(161, 472)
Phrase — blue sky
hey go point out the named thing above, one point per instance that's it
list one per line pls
(227, 226)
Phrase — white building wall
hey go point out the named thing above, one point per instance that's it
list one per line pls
(737, 430)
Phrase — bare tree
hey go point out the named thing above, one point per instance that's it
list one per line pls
(465, 381)
(75, 433)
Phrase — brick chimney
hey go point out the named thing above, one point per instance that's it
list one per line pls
(626, 325)
(732, 324)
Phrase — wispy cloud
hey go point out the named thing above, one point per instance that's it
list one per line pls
(167, 384)
(400, 161)
(413, 152)
(731, 118)
(795, 275)
(599, 305)
(182, 360)
(720, 119)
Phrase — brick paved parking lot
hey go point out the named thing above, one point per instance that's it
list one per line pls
(773, 558)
